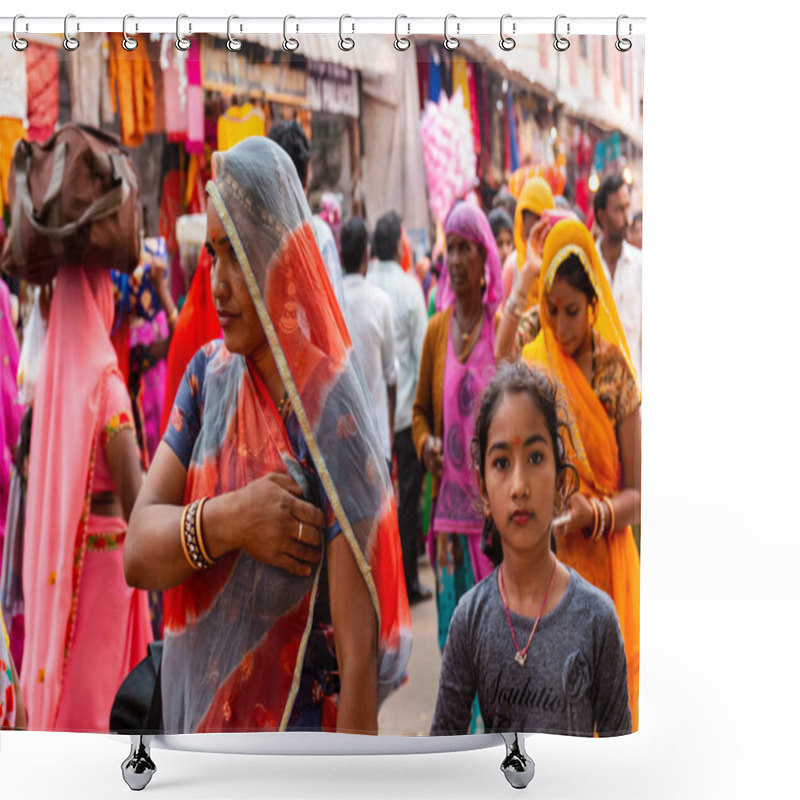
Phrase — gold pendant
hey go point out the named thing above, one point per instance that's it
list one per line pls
(521, 658)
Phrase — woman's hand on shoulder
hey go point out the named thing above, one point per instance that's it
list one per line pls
(270, 512)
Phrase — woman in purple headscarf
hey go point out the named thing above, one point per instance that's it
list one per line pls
(456, 366)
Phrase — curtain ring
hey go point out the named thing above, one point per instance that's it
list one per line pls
(234, 45)
(19, 44)
(623, 45)
(450, 42)
(181, 42)
(506, 42)
(346, 43)
(70, 42)
(561, 43)
(401, 43)
(289, 44)
(128, 43)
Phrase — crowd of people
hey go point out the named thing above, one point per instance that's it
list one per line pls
(245, 478)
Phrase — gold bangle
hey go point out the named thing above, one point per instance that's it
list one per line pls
(183, 536)
(173, 316)
(613, 522)
(201, 543)
(601, 507)
(190, 537)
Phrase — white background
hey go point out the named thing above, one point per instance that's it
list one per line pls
(719, 674)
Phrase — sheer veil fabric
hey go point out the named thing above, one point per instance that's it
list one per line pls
(252, 613)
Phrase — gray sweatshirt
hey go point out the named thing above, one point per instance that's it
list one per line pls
(575, 678)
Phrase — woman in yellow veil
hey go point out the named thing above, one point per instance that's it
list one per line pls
(582, 344)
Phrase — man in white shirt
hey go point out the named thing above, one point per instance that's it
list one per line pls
(291, 137)
(622, 261)
(409, 322)
(369, 320)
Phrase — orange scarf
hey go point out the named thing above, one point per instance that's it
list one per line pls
(612, 563)
(536, 196)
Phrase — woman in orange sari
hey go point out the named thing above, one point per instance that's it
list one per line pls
(583, 345)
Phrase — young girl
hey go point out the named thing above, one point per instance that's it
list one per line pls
(541, 647)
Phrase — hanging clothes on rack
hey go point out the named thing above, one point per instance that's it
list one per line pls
(90, 91)
(195, 120)
(237, 123)
(131, 83)
(41, 63)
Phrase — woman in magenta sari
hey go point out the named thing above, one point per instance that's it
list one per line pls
(268, 515)
(457, 364)
(85, 629)
(10, 410)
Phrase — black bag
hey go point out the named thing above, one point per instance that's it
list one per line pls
(137, 706)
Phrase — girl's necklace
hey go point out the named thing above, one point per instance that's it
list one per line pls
(522, 655)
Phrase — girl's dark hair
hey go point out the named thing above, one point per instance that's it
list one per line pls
(518, 378)
(574, 273)
(499, 220)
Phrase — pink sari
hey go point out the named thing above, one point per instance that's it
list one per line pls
(84, 627)
(10, 410)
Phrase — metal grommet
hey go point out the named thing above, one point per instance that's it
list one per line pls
(345, 42)
(70, 42)
(401, 43)
(289, 44)
(18, 43)
(234, 45)
(450, 42)
(623, 45)
(181, 42)
(506, 42)
(128, 43)
(561, 43)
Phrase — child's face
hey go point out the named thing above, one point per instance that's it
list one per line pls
(519, 488)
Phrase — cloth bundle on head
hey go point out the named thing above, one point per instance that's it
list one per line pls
(260, 201)
(469, 221)
(536, 196)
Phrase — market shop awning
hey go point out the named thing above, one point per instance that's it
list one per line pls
(523, 61)
(370, 53)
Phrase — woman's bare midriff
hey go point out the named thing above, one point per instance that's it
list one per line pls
(106, 504)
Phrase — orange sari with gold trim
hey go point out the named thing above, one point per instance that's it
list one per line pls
(612, 563)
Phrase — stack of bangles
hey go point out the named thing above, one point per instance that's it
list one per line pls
(192, 536)
(603, 518)
(515, 305)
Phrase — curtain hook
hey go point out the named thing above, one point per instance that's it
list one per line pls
(289, 44)
(19, 44)
(181, 42)
(128, 43)
(506, 42)
(346, 43)
(70, 42)
(451, 42)
(401, 43)
(234, 45)
(623, 45)
(561, 43)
